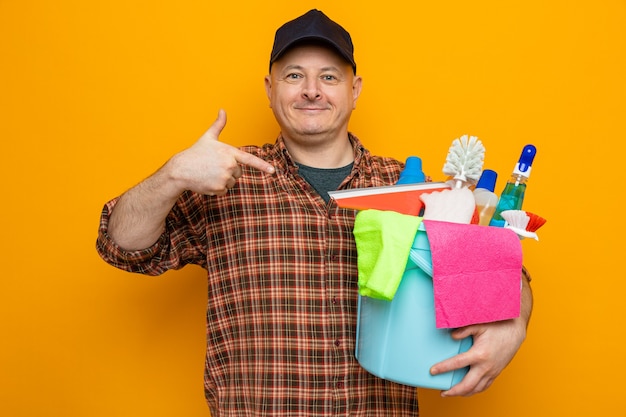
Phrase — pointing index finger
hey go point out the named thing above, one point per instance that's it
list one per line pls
(250, 160)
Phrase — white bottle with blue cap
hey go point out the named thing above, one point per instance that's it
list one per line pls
(486, 199)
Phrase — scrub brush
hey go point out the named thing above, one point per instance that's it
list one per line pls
(524, 223)
(464, 164)
(465, 160)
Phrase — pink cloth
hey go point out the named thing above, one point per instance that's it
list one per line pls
(476, 273)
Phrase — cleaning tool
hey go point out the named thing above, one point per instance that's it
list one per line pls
(383, 241)
(402, 198)
(513, 195)
(486, 199)
(524, 223)
(476, 273)
(398, 340)
(464, 164)
(456, 205)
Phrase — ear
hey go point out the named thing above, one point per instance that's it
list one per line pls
(268, 88)
(357, 84)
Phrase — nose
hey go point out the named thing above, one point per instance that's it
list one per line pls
(311, 90)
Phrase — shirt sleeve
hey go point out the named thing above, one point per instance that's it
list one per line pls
(182, 242)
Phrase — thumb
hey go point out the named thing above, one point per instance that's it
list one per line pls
(463, 332)
(216, 128)
(240, 156)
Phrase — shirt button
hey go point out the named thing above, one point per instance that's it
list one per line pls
(337, 343)
(340, 385)
(334, 300)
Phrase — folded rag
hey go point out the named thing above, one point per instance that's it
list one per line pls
(383, 241)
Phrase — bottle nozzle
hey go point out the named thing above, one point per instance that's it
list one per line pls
(525, 161)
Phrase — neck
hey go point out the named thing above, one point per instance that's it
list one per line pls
(335, 154)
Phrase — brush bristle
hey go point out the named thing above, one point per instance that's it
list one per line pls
(465, 159)
(516, 218)
(535, 222)
(524, 223)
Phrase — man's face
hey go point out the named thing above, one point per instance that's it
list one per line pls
(312, 92)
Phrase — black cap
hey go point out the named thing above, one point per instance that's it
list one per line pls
(315, 26)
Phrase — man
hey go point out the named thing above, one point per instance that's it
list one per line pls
(281, 257)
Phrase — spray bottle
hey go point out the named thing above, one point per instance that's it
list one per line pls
(486, 199)
(513, 194)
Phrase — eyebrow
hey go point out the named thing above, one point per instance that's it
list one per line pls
(300, 67)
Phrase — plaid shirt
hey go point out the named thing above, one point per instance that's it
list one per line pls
(282, 274)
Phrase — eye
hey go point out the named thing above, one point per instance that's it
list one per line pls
(329, 77)
(293, 76)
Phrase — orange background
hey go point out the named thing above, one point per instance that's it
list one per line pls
(94, 96)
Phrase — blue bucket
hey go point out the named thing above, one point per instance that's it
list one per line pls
(398, 340)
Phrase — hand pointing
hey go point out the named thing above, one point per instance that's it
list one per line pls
(212, 167)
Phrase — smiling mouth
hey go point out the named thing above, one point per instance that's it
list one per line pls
(310, 108)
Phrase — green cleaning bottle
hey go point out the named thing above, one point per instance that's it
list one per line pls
(513, 195)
